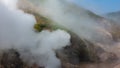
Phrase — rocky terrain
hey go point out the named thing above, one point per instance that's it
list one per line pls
(115, 16)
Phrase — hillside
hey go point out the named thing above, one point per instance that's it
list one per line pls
(114, 16)
(62, 35)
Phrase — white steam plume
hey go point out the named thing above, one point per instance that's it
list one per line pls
(11, 3)
(16, 31)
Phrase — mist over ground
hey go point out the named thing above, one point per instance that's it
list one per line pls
(74, 18)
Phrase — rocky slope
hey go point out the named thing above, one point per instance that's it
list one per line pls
(81, 53)
(114, 16)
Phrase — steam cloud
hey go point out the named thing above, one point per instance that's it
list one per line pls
(16, 31)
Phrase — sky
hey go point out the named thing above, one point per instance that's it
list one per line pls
(100, 6)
